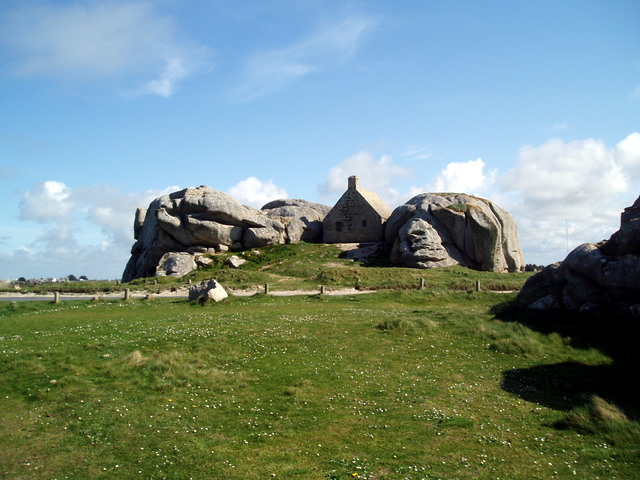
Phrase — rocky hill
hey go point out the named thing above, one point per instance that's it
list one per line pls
(197, 221)
(176, 232)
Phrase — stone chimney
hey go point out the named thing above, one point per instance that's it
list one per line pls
(353, 182)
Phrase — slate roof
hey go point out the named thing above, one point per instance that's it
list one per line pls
(376, 202)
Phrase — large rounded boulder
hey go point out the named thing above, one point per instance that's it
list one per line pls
(437, 230)
(593, 275)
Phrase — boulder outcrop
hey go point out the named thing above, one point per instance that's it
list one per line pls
(437, 230)
(176, 231)
(196, 218)
(302, 219)
(177, 227)
(176, 264)
(594, 274)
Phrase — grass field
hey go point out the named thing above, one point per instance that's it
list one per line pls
(303, 266)
(440, 383)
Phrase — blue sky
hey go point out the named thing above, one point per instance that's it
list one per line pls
(109, 104)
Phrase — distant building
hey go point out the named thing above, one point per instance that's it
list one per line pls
(358, 217)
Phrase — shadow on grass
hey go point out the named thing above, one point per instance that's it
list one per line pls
(570, 385)
(567, 385)
(372, 254)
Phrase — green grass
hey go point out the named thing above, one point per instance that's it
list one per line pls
(89, 287)
(307, 266)
(303, 266)
(405, 384)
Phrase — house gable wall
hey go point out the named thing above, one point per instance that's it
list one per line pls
(353, 219)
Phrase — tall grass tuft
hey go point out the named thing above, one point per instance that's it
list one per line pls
(511, 339)
(399, 325)
(135, 358)
(601, 417)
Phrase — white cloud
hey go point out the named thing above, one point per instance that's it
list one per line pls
(567, 177)
(164, 86)
(627, 154)
(254, 192)
(47, 201)
(97, 41)
(113, 210)
(461, 177)
(374, 175)
(89, 232)
(563, 194)
(325, 49)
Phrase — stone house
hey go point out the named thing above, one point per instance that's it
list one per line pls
(359, 216)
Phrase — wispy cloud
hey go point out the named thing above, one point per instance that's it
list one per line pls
(325, 49)
(417, 153)
(97, 41)
(164, 85)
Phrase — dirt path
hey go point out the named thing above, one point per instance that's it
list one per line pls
(289, 293)
(180, 293)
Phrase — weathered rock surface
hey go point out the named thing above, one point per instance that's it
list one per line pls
(196, 218)
(235, 261)
(593, 274)
(207, 290)
(302, 219)
(204, 220)
(176, 264)
(203, 262)
(437, 230)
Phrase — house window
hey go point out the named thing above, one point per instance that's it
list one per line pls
(338, 226)
(364, 223)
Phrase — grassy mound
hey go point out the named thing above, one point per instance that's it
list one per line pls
(308, 265)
